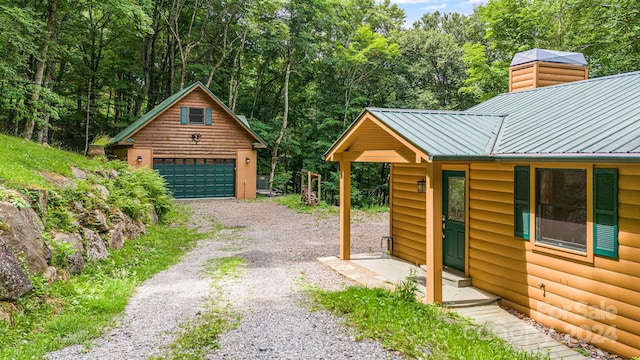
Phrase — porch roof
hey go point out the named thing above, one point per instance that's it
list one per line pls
(429, 132)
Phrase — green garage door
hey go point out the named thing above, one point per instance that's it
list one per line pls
(198, 178)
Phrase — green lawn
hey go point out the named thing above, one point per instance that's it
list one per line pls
(415, 329)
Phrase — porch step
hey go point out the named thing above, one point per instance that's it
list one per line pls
(453, 277)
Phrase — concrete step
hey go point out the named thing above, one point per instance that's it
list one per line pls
(452, 277)
(455, 278)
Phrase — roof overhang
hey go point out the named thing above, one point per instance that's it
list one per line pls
(370, 140)
(572, 157)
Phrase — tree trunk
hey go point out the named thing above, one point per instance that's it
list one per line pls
(223, 56)
(285, 115)
(31, 121)
(172, 64)
(86, 135)
(43, 129)
(235, 81)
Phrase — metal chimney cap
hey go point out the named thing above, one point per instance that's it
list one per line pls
(563, 57)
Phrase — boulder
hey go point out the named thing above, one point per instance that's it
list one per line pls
(96, 249)
(116, 236)
(133, 229)
(103, 191)
(53, 274)
(78, 174)
(78, 210)
(75, 262)
(6, 312)
(116, 215)
(14, 282)
(21, 230)
(112, 173)
(152, 216)
(96, 219)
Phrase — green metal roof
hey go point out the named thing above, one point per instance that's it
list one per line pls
(153, 113)
(590, 120)
(443, 132)
(598, 117)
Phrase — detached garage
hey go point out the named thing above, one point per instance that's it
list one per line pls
(200, 147)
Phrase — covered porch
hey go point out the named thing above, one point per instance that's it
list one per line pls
(371, 140)
(429, 152)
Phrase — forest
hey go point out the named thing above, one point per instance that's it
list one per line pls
(72, 71)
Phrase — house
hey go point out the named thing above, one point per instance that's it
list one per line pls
(200, 147)
(534, 195)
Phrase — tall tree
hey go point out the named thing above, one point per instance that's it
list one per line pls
(42, 60)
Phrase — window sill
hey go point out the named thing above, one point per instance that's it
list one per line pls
(581, 256)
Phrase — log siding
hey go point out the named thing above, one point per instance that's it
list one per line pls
(171, 139)
(408, 213)
(596, 299)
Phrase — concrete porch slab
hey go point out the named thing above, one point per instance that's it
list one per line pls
(378, 270)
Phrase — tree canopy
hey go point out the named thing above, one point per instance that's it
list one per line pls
(300, 70)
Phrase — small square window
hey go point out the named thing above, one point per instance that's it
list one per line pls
(561, 208)
(196, 115)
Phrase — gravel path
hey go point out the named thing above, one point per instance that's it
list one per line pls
(280, 248)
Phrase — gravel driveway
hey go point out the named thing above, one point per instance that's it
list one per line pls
(280, 248)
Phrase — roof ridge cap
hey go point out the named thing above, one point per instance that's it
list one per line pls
(429, 111)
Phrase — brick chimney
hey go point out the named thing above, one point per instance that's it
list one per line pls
(537, 68)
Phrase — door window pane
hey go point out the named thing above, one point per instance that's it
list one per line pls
(455, 206)
(561, 208)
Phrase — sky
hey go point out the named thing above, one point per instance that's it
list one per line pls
(415, 8)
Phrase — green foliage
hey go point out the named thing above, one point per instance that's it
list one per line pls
(101, 140)
(227, 267)
(415, 329)
(408, 288)
(60, 253)
(66, 313)
(58, 214)
(135, 191)
(294, 202)
(13, 198)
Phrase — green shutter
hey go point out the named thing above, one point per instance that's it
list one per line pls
(207, 117)
(184, 115)
(605, 212)
(521, 190)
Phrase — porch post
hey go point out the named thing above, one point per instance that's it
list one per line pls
(345, 210)
(434, 233)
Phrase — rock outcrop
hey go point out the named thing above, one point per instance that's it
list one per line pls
(90, 225)
(75, 261)
(13, 280)
(96, 249)
(116, 236)
(22, 230)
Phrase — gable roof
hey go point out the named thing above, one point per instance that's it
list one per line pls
(125, 135)
(592, 119)
(443, 132)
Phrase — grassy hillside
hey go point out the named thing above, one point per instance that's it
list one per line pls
(27, 165)
(22, 163)
(62, 313)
